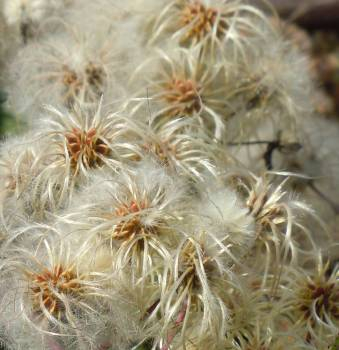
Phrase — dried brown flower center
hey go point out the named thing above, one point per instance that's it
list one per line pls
(71, 80)
(49, 284)
(85, 146)
(133, 207)
(324, 297)
(128, 228)
(200, 21)
(95, 75)
(184, 96)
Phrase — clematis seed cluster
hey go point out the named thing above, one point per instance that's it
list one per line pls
(172, 187)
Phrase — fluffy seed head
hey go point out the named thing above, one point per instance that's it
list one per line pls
(133, 214)
(192, 300)
(311, 302)
(177, 143)
(127, 228)
(65, 69)
(265, 208)
(49, 283)
(82, 138)
(209, 25)
(86, 144)
(184, 94)
(319, 297)
(90, 83)
(183, 85)
(200, 20)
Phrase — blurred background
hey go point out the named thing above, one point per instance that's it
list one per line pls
(314, 26)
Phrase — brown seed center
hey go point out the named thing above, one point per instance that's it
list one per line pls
(95, 75)
(200, 21)
(47, 285)
(92, 79)
(184, 96)
(71, 80)
(85, 146)
(128, 228)
(325, 297)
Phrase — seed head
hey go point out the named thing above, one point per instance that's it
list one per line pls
(183, 85)
(192, 299)
(319, 297)
(87, 84)
(178, 144)
(200, 20)
(204, 24)
(128, 228)
(267, 203)
(49, 285)
(87, 145)
(312, 302)
(184, 94)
